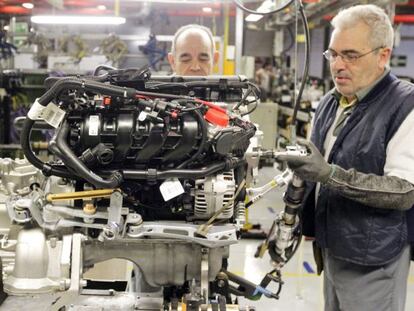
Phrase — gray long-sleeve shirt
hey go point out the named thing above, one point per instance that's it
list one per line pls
(390, 192)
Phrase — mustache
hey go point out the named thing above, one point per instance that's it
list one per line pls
(340, 74)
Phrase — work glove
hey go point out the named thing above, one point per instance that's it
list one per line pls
(312, 167)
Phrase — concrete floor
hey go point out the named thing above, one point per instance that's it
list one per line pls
(302, 290)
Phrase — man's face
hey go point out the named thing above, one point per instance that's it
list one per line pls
(193, 54)
(350, 77)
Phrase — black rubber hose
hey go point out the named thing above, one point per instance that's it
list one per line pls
(307, 59)
(31, 157)
(25, 142)
(50, 81)
(45, 99)
(202, 123)
(103, 67)
(87, 85)
(177, 173)
(37, 126)
(281, 8)
(251, 110)
(71, 160)
(51, 93)
(111, 90)
(153, 174)
(191, 84)
(27, 128)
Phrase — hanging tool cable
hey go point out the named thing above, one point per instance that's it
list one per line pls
(271, 12)
(285, 236)
(305, 72)
(288, 231)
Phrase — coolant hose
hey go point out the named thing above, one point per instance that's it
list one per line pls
(60, 85)
(71, 160)
(183, 173)
(31, 157)
(202, 123)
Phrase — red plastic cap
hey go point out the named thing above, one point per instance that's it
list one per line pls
(106, 101)
(217, 117)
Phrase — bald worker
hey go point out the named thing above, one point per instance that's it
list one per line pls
(193, 51)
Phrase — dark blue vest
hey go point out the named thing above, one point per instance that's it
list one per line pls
(352, 231)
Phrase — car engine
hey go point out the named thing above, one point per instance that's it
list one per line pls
(149, 169)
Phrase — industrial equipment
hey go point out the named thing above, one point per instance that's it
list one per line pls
(155, 170)
(149, 169)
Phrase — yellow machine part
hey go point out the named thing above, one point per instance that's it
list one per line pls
(80, 195)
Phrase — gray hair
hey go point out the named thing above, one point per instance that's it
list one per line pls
(192, 27)
(382, 33)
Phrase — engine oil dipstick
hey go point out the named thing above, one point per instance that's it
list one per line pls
(80, 195)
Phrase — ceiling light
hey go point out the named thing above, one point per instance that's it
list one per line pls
(7, 27)
(77, 19)
(28, 5)
(266, 6)
(176, 1)
(207, 10)
(253, 17)
(101, 7)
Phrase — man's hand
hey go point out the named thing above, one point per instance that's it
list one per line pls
(312, 167)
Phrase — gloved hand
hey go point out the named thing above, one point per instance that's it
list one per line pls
(312, 167)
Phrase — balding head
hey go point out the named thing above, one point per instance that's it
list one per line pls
(193, 51)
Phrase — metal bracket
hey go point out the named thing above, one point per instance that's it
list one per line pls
(73, 292)
(204, 286)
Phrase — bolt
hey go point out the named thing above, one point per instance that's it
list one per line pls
(87, 220)
(117, 194)
(63, 285)
(89, 209)
(101, 237)
(62, 182)
(53, 242)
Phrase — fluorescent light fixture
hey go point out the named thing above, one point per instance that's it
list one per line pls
(253, 17)
(77, 19)
(176, 1)
(266, 6)
(28, 5)
(207, 9)
(101, 7)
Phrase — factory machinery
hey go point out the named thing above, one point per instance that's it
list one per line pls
(155, 170)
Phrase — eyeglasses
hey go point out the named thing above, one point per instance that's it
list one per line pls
(351, 57)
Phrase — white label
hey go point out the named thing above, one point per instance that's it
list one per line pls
(53, 115)
(93, 125)
(286, 98)
(142, 116)
(36, 111)
(171, 188)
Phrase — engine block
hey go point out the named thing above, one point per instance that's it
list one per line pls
(138, 166)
